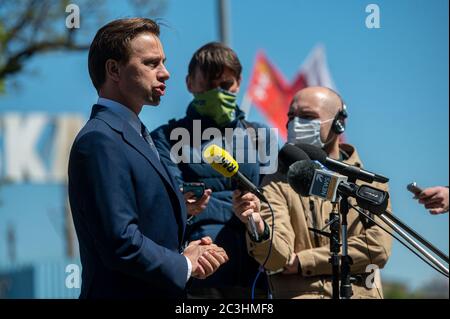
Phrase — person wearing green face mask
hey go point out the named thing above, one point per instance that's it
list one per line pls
(215, 96)
(213, 79)
(217, 104)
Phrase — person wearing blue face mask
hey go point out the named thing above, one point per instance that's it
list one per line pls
(214, 77)
(299, 258)
(317, 117)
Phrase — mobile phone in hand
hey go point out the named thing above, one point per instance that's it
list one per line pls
(198, 189)
(413, 188)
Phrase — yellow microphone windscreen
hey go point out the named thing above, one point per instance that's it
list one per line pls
(221, 160)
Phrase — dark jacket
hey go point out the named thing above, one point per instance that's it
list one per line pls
(128, 213)
(217, 220)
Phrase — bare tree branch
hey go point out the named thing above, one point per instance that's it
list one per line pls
(22, 21)
(40, 27)
(14, 63)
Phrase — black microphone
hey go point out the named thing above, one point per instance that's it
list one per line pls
(288, 155)
(353, 172)
(308, 179)
(300, 176)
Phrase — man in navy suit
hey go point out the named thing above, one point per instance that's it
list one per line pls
(128, 212)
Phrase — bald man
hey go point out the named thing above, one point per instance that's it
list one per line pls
(299, 259)
(311, 117)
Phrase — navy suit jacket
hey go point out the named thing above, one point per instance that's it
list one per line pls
(128, 213)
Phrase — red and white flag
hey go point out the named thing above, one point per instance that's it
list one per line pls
(272, 94)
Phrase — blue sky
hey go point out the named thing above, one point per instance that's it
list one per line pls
(394, 81)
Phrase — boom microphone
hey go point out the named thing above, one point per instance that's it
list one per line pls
(350, 171)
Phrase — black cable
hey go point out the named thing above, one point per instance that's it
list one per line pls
(398, 239)
(271, 236)
(262, 267)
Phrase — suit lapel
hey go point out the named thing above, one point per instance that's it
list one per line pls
(137, 142)
(131, 137)
(142, 147)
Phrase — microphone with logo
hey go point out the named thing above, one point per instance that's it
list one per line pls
(309, 179)
(221, 161)
(351, 171)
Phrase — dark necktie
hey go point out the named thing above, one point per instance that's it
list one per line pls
(146, 135)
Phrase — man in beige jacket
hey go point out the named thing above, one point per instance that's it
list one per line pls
(299, 258)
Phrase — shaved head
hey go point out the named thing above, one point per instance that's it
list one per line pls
(319, 103)
(327, 102)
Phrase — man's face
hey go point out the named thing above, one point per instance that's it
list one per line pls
(142, 77)
(197, 83)
(308, 106)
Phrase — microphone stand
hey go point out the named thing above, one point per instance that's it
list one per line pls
(411, 241)
(346, 286)
(419, 238)
(345, 289)
(379, 209)
(335, 246)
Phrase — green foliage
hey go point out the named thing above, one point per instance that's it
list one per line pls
(436, 288)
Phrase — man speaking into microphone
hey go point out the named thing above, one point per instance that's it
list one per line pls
(128, 212)
(299, 258)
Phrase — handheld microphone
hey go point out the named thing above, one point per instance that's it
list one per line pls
(221, 161)
(352, 172)
(307, 179)
(225, 164)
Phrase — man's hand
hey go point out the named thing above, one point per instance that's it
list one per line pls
(205, 257)
(196, 206)
(435, 199)
(292, 267)
(246, 205)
